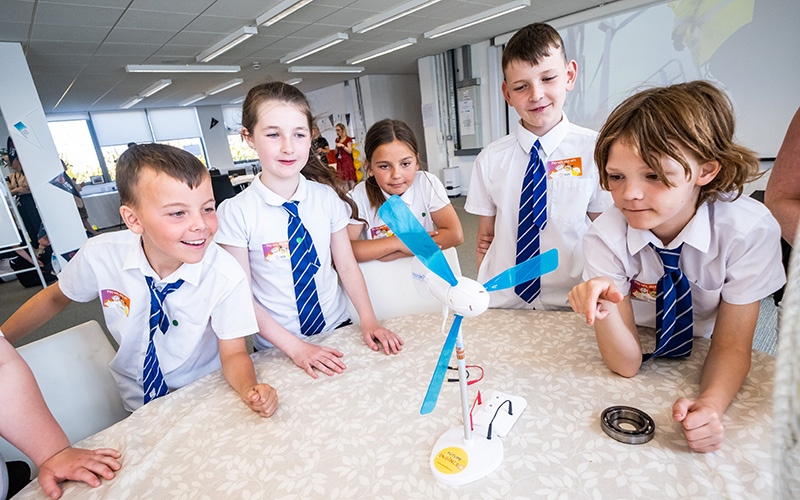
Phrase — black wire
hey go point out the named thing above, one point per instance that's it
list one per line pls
(455, 379)
(489, 434)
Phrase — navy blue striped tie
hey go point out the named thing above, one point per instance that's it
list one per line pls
(532, 219)
(305, 264)
(154, 385)
(674, 318)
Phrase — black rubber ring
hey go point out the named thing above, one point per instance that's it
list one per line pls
(643, 426)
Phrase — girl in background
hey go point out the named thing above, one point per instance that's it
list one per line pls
(344, 157)
(393, 169)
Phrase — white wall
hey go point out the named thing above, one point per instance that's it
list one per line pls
(396, 97)
(216, 139)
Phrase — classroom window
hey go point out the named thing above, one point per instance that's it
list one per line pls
(75, 147)
(240, 151)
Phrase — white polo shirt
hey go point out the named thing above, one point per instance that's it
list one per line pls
(213, 302)
(573, 188)
(731, 251)
(255, 219)
(425, 196)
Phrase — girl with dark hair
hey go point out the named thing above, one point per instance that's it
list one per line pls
(393, 169)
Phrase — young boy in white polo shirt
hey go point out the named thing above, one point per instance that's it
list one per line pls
(177, 304)
(681, 250)
(559, 189)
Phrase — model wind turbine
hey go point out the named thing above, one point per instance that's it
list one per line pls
(457, 457)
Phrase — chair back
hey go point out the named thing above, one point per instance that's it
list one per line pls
(71, 368)
(222, 187)
(392, 291)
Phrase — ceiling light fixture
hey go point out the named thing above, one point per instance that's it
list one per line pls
(382, 51)
(294, 81)
(314, 48)
(192, 99)
(180, 68)
(227, 43)
(152, 89)
(280, 11)
(130, 102)
(478, 18)
(326, 69)
(392, 15)
(224, 86)
(238, 100)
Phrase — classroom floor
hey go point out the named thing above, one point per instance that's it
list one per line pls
(13, 295)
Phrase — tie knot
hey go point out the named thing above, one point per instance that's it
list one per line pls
(166, 290)
(535, 148)
(291, 208)
(669, 258)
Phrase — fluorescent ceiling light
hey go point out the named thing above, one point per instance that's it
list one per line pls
(130, 102)
(294, 81)
(382, 51)
(224, 86)
(314, 48)
(280, 11)
(238, 100)
(180, 68)
(152, 89)
(192, 99)
(326, 69)
(227, 43)
(392, 15)
(478, 18)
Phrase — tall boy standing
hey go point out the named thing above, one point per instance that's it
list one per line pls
(537, 188)
(177, 304)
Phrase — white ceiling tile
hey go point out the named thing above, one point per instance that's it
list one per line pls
(62, 48)
(13, 32)
(128, 49)
(218, 24)
(134, 36)
(240, 8)
(77, 15)
(154, 20)
(182, 6)
(59, 32)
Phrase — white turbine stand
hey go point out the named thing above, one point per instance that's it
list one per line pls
(461, 456)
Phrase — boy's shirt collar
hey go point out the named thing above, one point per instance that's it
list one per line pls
(272, 198)
(549, 142)
(697, 234)
(136, 259)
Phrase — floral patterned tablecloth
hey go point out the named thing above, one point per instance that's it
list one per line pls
(359, 435)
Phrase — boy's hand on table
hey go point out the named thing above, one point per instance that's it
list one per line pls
(261, 398)
(702, 424)
(325, 359)
(585, 298)
(392, 344)
(77, 464)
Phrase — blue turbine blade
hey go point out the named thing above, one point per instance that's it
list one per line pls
(405, 226)
(441, 366)
(524, 271)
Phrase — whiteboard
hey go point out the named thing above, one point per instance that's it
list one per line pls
(747, 47)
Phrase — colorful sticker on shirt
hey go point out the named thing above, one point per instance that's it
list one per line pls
(276, 251)
(643, 291)
(116, 300)
(571, 167)
(378, 232)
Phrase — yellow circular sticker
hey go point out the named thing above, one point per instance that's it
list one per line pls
(451, 460)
